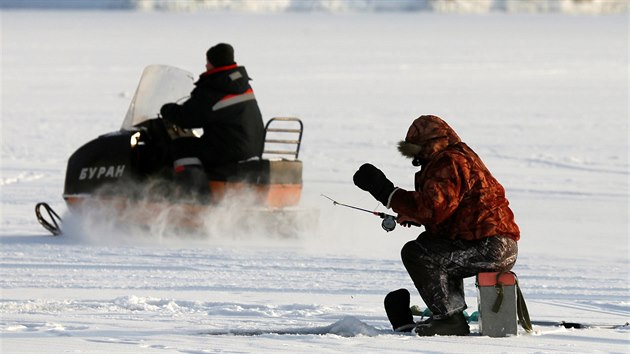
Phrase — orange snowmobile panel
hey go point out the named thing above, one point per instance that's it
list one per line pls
(270, 195)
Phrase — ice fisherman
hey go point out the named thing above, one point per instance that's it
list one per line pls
(469, 227)
(224, 105)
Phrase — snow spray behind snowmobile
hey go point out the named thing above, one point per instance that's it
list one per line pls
(130, 170)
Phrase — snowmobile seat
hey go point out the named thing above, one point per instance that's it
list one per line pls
(277, 181)
(258, 171)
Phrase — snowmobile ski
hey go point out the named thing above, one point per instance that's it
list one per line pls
(52, 224)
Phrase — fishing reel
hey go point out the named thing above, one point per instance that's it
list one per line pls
(389, 222)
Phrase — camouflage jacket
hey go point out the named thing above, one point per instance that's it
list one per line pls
(455, 195)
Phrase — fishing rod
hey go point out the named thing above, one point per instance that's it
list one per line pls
(389, 221)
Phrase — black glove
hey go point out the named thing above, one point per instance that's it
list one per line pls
(373, 180)
(169, 110)
(398, 311)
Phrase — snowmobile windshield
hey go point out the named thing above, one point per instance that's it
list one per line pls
(158, 85)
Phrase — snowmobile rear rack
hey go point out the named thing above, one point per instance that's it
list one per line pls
(287, 128)
(52, 225)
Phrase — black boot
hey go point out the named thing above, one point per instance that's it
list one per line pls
(398, 312)
(455, 325)
(191, 183)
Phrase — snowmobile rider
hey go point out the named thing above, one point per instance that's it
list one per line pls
(469, 227)
(224, 105)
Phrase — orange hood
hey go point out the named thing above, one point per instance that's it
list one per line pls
(427, 136)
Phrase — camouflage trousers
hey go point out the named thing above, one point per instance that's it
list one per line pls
(438, 267)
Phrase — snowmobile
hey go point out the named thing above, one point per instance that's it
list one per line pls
(129, 171)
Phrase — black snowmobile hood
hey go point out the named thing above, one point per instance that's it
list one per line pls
(231, 79)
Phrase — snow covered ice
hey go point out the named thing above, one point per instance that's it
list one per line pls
(542, 98)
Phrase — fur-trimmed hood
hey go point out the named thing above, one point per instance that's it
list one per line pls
(427, 136)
